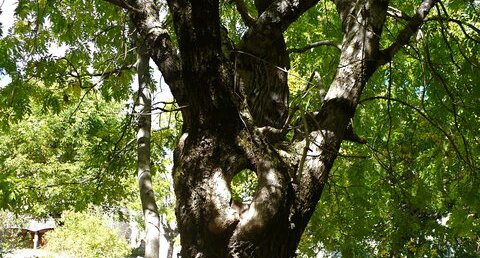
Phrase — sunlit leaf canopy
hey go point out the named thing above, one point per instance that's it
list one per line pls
(67, 125)
(53, 162)
(412, 189)
(60, 145)
(81, 156)
(68, 46)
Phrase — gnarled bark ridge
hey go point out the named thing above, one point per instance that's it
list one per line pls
(236, 107)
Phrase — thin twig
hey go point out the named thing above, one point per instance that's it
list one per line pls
(314, 45)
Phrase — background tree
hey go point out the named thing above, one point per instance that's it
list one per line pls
(144, 177)
(243, 75)
(58, 98)
(70, 160)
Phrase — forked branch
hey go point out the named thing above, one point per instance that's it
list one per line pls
(412, 27)
(282, 13)
(145, 18)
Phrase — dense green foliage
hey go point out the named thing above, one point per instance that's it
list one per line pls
(412, 190)
(86, 234)
(67, 48)
(53, 162)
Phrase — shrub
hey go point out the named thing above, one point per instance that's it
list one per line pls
(86, 235)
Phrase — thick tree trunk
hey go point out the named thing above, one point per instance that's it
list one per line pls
(234, 115)
(147, 197)
(207, 158)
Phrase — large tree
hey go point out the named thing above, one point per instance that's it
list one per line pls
(233, 90)
(235, 117)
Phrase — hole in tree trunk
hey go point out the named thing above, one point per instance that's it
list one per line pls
(243, 186)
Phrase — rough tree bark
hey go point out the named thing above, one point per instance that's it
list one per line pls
(147, 197)
(235, 118)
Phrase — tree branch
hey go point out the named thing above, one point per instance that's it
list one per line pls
(350, 134)
(460, 23)
(146, 19)
(264, 41)
(395, 13)
(123, 4)
(282, 13)
(314, 45)
(412, 27)
(246, 17)
(104, 74)
(362, 23)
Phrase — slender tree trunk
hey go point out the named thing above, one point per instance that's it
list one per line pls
(149, 206)
(170, 249)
